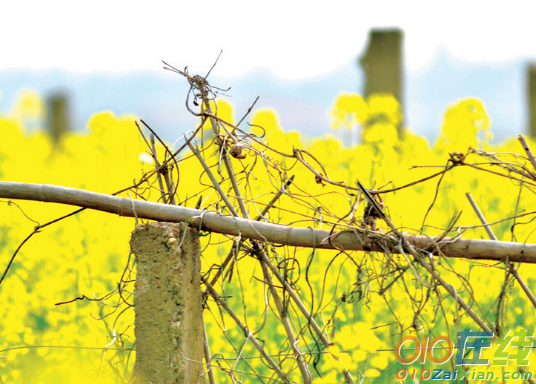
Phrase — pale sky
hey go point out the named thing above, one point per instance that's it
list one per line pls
(293, 39)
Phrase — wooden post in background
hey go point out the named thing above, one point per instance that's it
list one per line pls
(58, 115)
(167, 300)
(382, 63)
(531, 93)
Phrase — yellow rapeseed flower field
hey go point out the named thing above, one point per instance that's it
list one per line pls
(86, 254)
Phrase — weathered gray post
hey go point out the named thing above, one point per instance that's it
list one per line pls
(167, 300)
(58, 120)
(532, 99)
(382, 63)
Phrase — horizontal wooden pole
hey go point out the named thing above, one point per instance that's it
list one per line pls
(272, 233)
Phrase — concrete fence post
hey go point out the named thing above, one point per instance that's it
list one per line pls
(167, 300)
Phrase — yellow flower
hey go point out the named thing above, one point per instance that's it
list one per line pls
(383, 107)
(349, 110)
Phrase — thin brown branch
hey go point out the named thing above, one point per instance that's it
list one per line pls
(528, 151)
(510, 265)
(246, 331)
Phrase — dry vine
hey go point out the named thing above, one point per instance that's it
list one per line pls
(408, 260)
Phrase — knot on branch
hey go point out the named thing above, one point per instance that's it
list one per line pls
(457, 158)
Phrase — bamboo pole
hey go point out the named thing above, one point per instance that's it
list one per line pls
(473, 249)
(208, 356)
(158, 172)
